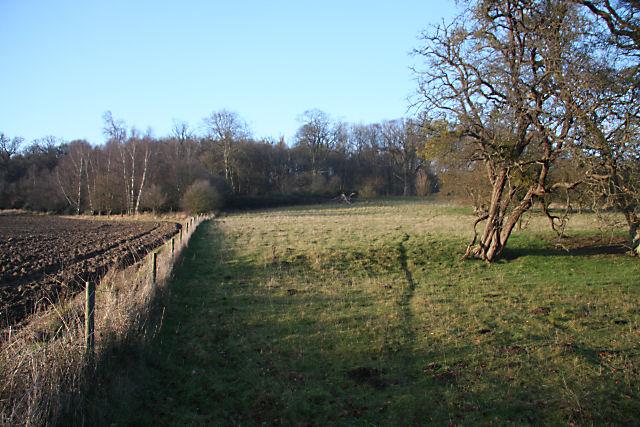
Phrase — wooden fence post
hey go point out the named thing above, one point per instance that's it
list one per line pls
(89, 312)
(173, 246)
(154, 263)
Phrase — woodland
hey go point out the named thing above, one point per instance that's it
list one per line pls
(134, 172)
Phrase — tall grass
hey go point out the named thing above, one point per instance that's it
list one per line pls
(45, 367)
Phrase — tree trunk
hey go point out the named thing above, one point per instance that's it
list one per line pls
(405, 180)
(125, 177)
(144, 175)
(64, 193)
(79, 185)
(490, 243)
(228, 170)
(634, 231)
(499, 224)
(635, 238)
(133, 181)
(90, 192)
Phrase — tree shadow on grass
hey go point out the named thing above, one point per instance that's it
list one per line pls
(590, 246)
(245, 342)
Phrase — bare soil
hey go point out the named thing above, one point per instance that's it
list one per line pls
(46, 258)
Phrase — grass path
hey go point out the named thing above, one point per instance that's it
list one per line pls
(363, 315)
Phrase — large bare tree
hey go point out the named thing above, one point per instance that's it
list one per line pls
(9, 146)
(317, 134)
(496, 74)
(401, 139)
(226, 129)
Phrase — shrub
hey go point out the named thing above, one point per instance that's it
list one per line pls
(425, 183)
(372, 188)
(201, 197)
(154, 199)
(329, 186)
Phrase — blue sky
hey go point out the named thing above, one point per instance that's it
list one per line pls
(64, 63)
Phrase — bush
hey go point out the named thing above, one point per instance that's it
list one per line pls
(324, 185)
(372, 188)
(425, 183)
(201, 197)
(154, 199)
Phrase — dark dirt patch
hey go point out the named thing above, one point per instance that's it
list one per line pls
(541, 310)
(432, 367)
(609, 353)
(512, 350)
(366, 374)
(581, 315)
(446, 377)
(51, 257)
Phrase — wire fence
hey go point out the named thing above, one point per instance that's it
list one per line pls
(44, 364)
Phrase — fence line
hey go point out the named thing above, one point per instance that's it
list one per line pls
(43, 364)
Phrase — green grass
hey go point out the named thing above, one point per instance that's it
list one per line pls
(364, 315)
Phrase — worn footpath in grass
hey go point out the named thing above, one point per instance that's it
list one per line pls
(363, 315)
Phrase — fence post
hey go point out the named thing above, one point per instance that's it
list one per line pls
(89, 312)
(154, 262)
(173, 246)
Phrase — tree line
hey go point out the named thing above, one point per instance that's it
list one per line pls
(133, 172)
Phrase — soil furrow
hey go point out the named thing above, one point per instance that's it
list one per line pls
(47, 256)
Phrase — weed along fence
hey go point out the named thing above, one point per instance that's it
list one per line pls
(45, 364)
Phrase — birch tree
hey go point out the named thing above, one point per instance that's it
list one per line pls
(71, 174)
(116, 133)
(135, 153)
(146, 151)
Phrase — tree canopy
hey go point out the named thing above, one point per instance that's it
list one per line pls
(524, 85)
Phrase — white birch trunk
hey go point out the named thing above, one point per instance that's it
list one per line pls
(79, 184)
(132, 188)
(142, 180)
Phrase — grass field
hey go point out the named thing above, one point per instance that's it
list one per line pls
(364, 315)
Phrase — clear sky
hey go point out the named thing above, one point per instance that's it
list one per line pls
(64, 63)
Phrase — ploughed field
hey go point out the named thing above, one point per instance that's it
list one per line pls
(45, 258)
